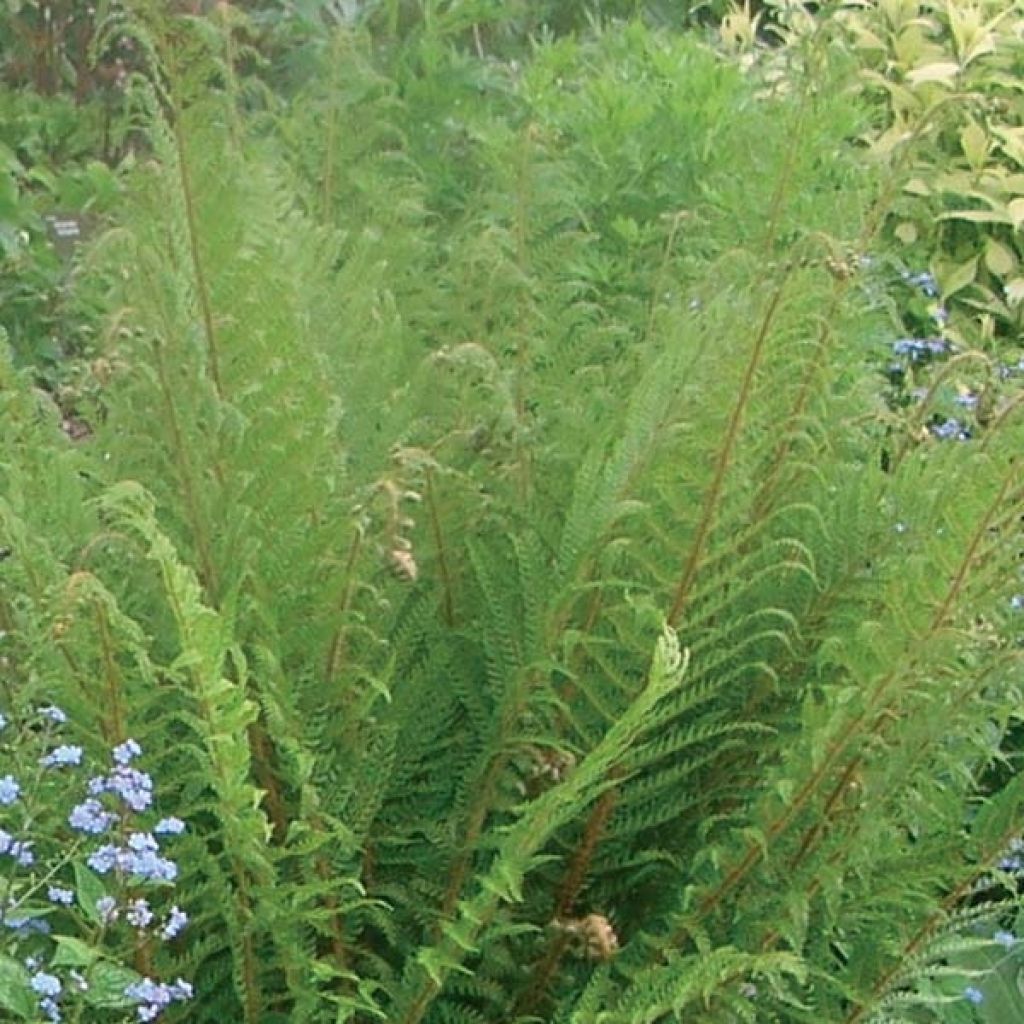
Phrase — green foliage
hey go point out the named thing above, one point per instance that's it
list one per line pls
(47, 175)
(964, 203)
(448, 408)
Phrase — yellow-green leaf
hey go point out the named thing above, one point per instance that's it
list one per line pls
(917, 187)
(974, 143)
(1015, 208)
(978, 216)
(906, 232)
(941, 72)
(999, 258)
(1015, 291)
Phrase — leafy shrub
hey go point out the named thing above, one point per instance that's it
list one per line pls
(964, 205)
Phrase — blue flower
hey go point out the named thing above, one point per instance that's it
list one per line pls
(106, 907)
(135, 788)
(45, 984)
(974, 995)
(169, 826)
(54, 714)
(21, 851)
(104, 859)
(1005, 939)
(142, 859)
(154, 997)
(28, 925)
(918, 349)
(55, 894)
(951, 430)
(10, 790)
(126, 752)
(138, 914)
(175, 923)
(3, 722)
(48, 987)
(924, 280)
(62, 756)
(91, 817)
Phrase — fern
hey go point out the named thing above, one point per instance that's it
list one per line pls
(437, 393)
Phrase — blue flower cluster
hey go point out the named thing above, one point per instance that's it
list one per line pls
(950, 430)
(925, 281)
(153, 997)
(920, 349)
(127, 852)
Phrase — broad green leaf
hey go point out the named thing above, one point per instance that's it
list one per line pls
(107, 982)
(15, 994)
(978, 216)
(72, 952)
(952, 278)
(90, 890)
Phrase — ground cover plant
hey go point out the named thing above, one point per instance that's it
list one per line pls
(500, 575)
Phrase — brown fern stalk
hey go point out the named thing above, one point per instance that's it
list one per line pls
(709, 512)
(115, 731)
(198, 269)
(336, 648)
(207, 569)
(568, 892)
(448, 602)
(873, 221)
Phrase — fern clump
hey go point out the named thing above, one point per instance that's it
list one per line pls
(494, 528)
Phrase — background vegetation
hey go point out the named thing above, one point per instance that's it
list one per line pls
(525, 497)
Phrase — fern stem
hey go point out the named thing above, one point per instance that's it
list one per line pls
(198, 270)
(783, 181)
(251, 1000)
(872, 224)
(263, 768)
(337, 645)
(659, 281)
(578, 867)
(522, 231)
(474, 827)
(725, 454)
(181, 456)
(448, 603)
(330, 133)
(568, 891)
(115, 729)
(230, 74)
